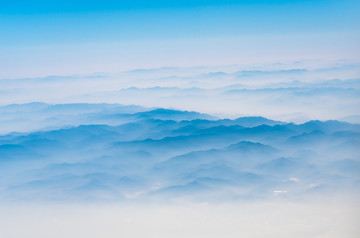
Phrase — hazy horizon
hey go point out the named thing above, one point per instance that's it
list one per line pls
(184, 118)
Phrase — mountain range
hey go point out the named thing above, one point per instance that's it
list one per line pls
(137, 153)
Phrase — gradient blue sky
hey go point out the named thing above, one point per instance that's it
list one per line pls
(39, 38)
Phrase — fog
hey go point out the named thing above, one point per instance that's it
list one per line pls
(319, 219)
(217, 151)
(281, 91)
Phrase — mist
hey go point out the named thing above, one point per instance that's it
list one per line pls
(261, 151)
(280, 91)
(321, 218)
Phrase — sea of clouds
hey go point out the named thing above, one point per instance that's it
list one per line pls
(294, 91)
(258, 151)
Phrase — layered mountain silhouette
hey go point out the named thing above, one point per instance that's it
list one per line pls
(135, 153)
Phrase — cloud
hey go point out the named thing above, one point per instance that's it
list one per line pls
(277, 91)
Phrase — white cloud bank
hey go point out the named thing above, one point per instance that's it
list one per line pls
(316, 219)
(296, 91)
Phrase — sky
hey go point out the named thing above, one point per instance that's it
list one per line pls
(41, 38)
(286, 60)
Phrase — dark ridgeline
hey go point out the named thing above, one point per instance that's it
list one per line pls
(134, 153)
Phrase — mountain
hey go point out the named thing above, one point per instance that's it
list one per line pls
(139, 153)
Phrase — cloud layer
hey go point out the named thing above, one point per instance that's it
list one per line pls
(297, 91)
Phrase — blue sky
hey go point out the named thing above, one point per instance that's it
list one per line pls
(64, 37)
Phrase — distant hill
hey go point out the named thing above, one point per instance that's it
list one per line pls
(115, 152)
